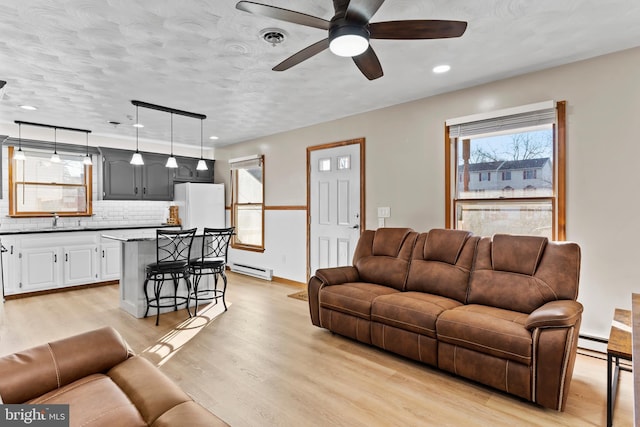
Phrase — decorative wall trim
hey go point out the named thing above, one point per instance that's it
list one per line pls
(285, 208)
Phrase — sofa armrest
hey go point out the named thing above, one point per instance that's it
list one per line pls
(36, 371)
(326, 277)
(338, 275)
(563, 313)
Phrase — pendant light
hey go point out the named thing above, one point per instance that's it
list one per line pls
(54, 157)
(171, 161)
(19, 155)
(136, 159)
(87, 159)
(202, 165)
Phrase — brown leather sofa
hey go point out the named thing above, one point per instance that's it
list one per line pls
(499, 310)
(103, 383)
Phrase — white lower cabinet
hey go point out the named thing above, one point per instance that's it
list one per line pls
(41, 269)
(80, 264)
(11, 271)
(109, 260)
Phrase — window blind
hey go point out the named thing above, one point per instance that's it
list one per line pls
(497, 124)
(245, 163)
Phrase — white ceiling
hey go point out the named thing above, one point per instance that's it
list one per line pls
(81, 62)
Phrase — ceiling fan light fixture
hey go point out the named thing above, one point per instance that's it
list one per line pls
(348, 40)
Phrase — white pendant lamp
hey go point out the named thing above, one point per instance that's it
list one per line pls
(54, 157)
(202, 165)
(136, 159)
(171, 161)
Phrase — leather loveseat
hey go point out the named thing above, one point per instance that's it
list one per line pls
(103, 383)
(499, 310)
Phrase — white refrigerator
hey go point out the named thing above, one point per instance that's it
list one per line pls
(200, 205)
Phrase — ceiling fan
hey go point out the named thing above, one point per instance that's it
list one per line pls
(350, 31)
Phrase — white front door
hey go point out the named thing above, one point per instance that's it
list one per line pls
(334, 211)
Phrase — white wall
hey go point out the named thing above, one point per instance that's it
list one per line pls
(405, 168)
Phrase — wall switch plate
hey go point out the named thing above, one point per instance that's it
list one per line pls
(384, 212)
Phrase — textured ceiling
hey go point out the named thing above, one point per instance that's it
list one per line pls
(81, 62)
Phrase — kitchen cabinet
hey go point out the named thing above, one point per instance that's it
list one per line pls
(124, 181)
(53, 260)
(10, 263)
(109, 261)
(79, 264)
(187, 172)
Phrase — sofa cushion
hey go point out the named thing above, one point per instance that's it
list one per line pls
(94, 401)
(444, 245)
(517, 254)
(382, 256)
(412, 311)
(554, 277)
(353, 298)
(441, 263)
(494, 331)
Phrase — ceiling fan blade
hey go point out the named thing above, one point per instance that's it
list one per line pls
(283, 14)
(303, 55)
(369, 64)
(363, 10)
(340, 7)
(412, 30)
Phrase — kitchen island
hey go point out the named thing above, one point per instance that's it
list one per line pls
(137, 250)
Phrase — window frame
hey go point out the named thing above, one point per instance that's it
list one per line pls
(557, 199)
(13, 188)
(234, 210)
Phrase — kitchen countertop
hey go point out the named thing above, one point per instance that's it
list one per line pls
(84, 228)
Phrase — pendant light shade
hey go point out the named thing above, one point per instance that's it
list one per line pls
(54, 157)
(87, 159)
(19, 155)
(171, 161)
(202, 165)
(136, 159)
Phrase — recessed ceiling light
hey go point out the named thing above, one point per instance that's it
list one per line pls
(213, 137)
(441, 69)
(138, 125)
(28, 107)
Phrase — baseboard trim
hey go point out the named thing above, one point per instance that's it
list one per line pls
(289, 282)
(58, 290)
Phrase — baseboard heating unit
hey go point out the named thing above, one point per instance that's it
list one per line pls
(249, 270)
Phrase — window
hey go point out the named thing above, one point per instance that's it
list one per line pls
(247, 181)
(40, 187)
(524, 146)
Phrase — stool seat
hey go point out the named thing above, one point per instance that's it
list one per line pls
(167, 267)
(212, 262)
(173, 251)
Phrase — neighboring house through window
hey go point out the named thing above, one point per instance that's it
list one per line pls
(524, 146)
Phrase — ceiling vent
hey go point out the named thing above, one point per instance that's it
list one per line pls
(273, 36)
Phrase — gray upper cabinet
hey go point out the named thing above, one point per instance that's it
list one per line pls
(151, 181)
(124, 181)
(187, 172)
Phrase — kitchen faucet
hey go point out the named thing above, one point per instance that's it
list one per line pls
(55, 219)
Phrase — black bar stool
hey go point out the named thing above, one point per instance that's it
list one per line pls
(215, 245)
(173, 251)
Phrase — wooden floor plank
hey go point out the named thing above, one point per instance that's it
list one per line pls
(262, 363)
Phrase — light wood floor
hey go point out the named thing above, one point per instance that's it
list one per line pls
(262, 363)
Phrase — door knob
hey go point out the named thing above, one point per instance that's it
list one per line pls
(356, 226)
